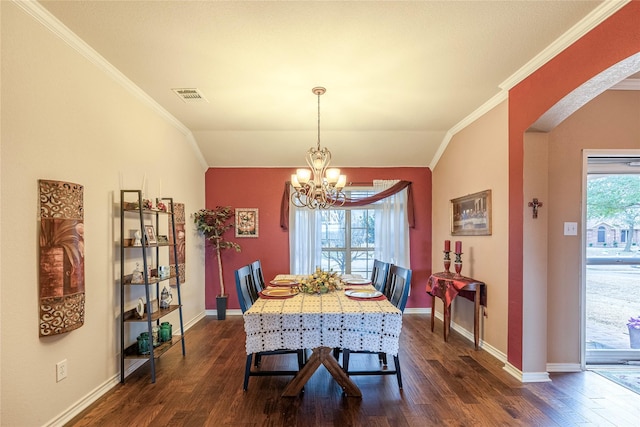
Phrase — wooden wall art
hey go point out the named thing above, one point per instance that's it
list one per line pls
(61, 276)
(180, 243)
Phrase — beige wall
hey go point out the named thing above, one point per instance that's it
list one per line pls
(534, 252)
(610, 121)
(476, 159)
(64, 119)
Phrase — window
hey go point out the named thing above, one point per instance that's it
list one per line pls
(624, 235)
(601, 234)
(348, 239)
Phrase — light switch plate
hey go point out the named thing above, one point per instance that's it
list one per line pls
(570, 228)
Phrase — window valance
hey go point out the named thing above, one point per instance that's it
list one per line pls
(396, 188)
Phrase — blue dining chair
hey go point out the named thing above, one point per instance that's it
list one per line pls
(398, 285)
(246, 289)
(258, 278)
(379, 275)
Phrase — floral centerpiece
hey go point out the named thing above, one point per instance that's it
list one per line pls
(320, 282)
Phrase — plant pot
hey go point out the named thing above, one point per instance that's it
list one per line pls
(634, 337)
(221, 306)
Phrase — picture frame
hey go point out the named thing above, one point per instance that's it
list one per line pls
(246, 222)
(471, 215)
(150, 235)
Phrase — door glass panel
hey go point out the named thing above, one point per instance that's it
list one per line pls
(612, 265)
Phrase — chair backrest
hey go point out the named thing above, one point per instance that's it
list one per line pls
(258, 278)
(245, 288)
(379, 275)
(398, 286)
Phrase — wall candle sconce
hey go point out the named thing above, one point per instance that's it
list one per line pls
(535, 204)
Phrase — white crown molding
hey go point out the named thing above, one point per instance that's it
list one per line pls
(592, 20)
(503, 95)
(43, 16)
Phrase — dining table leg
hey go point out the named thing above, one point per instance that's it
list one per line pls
(321, 356)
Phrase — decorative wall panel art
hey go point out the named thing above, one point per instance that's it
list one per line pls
(179, 217)
(61, 257)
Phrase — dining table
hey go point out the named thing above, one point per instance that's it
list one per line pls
(323, 322)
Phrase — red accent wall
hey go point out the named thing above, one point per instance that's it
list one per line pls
(262, 188)
(614, 40)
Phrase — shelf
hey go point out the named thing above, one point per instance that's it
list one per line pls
(132, 315)
(152, 280)
(131, 352)
(147, 211)
(145, 220)
(159, 245)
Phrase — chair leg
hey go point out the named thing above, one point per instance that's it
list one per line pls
(247, 371)
(396, 362)
(301, 358)
(336, 353)
(383, 359)
(345, 360)
(258, 360)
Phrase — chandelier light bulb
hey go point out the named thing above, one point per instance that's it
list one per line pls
(333, 174)
(304, 175)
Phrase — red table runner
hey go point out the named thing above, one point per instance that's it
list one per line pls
(447, 286)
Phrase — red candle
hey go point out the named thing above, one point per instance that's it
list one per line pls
(458, 247)
(447, 245)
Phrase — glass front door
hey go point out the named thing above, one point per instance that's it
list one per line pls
(612, 260)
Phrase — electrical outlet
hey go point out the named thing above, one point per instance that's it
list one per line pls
(61, 370)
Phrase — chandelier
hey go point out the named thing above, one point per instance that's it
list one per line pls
(320, 186)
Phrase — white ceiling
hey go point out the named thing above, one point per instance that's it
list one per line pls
(400, 76)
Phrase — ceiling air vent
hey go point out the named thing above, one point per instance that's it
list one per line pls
(190, 95)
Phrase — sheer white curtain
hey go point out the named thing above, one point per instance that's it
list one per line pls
(305, 239)
(392, 226)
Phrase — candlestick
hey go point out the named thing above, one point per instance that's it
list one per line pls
(458, 247)
(447, 245)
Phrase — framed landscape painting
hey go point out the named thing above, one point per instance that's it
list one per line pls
(471, 215)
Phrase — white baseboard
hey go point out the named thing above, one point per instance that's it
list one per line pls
(95, 394)
(563, 367)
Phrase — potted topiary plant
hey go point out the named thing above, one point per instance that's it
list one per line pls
(634, 332)
(213, 224)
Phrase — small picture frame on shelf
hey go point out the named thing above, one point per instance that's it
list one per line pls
(162, 239)
(150, 235)
(246, 222)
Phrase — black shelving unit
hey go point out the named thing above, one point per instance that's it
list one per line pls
(131, 206)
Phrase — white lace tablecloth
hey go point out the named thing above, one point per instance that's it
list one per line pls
(328, 320)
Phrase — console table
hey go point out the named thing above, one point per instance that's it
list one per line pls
(447, 286)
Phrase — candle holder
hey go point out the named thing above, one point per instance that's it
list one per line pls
(447, 261)
(458, 264)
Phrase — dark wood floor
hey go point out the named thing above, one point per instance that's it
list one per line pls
(447, 384)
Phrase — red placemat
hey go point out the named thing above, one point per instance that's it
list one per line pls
(380, 298)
